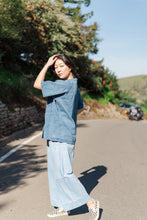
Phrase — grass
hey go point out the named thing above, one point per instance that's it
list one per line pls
(135, 85)
(144, 109)
(14, 87)
(103, 101)
(89, 97)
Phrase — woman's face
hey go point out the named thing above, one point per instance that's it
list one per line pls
(62, 70)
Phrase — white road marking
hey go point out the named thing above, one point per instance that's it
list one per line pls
(18, 147)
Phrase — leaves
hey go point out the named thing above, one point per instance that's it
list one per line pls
(37, 29)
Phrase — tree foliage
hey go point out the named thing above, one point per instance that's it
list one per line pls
(100, 81)
(11, 23)
(33, 30)
(41, 28)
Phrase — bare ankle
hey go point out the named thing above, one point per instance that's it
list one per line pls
(91, 203)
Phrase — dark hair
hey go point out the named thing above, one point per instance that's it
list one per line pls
(67, 60)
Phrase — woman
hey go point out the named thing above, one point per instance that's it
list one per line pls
(63, 103)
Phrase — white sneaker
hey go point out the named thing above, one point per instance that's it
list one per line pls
(57, 212)
(94, 211)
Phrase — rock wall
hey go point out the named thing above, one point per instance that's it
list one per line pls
(18, 118)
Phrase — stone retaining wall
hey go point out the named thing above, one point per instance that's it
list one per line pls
(19, 118)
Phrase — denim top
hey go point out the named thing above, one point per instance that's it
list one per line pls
(63, 100)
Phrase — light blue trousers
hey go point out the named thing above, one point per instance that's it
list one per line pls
(65, 189)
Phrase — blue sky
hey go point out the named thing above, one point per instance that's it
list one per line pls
(123, 30)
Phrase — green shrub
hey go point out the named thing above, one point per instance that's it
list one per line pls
(103, 101)
(144, 109)
(125, 96)
(86, 96)
(14, 86)
(109, 96)
(144, 103)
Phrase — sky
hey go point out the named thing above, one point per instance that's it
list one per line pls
(123, 31)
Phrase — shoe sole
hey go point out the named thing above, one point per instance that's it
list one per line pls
(54, 216)
(98, 210)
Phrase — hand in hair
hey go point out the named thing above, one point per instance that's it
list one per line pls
(41, 75)
(52, 60)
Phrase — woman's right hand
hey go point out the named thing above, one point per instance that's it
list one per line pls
(52, 60)
(41, 75)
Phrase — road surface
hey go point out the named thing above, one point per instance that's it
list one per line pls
(110, 160)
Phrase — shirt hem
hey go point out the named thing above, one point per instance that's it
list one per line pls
(59, 140)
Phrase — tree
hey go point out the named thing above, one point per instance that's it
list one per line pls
(47, 23)
(33, 30)
(87, 35)
(40, 28)
(11, 23)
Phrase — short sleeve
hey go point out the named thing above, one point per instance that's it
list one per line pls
(80, 101)
(50, 88)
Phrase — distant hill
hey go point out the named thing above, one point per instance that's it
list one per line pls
(137, 85)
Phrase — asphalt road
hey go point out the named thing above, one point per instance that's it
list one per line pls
(110, 160)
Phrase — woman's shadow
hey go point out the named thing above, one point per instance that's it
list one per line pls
(89, 179)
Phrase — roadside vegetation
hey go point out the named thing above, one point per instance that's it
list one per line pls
(135, 90)
(33, 30)
(136, 85)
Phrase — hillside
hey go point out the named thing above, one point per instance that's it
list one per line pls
(137, 85)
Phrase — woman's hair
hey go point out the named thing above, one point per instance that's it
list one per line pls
(68, 62)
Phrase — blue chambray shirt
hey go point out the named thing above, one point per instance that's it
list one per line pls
(63, 100)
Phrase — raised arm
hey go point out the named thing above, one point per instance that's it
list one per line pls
(42, 74)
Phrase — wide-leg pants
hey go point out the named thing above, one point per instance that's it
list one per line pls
(65, 189)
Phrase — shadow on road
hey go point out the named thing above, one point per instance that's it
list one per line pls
(90, 179)
(25, 163)
(17, 135)
(80, 125)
